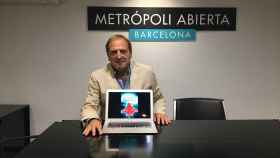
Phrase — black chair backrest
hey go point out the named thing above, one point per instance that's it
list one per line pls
(198, 109)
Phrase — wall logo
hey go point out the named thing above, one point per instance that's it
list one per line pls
(162, 35)
(161, 24)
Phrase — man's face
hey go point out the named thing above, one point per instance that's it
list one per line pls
(119, 55)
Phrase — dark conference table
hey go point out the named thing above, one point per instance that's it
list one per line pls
(190, 139)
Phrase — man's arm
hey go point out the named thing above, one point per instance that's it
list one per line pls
(160, 116)
(90, 111)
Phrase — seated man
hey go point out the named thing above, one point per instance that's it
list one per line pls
(120, 72)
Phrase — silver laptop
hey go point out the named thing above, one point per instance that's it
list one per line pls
(129, 111)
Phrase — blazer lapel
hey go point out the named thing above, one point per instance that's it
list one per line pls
(113, 82)
(134, 82)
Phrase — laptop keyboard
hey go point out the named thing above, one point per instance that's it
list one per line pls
(129, 124)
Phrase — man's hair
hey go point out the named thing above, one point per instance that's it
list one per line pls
(117, 36)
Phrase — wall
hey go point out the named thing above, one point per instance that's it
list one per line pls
(47, 54)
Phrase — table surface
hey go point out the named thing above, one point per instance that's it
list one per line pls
(184, 138)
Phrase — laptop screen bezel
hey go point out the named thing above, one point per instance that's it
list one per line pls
(128, 119)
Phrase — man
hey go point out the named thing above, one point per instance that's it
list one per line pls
(123, 73)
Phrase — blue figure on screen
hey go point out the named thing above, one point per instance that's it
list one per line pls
(129, 102)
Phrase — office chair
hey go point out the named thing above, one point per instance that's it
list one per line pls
(198, 109)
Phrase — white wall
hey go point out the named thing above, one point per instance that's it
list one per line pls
(46, 55)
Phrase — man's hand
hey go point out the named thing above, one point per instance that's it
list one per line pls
(93, 128)
(161, 119)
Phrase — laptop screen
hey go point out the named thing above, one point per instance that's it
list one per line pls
(129, 104)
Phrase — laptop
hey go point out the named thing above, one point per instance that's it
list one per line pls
(129, 111)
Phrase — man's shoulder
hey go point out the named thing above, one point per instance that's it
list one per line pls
(143, 67)
(100, 71)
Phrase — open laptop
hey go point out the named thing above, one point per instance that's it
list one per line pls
(129, 111)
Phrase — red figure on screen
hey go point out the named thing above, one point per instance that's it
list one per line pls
(129, 110)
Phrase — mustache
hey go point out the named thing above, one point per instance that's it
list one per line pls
(120, 60)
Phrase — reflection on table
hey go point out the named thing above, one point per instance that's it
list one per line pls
(121, 146)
